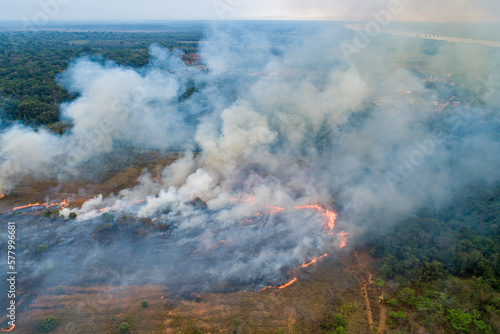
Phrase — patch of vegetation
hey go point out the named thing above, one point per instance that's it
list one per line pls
(54, 214)
(447, 266)
(42, 248)
(124, 328)
(48, 324)
(108, 218)
(144, 303)
(30, 63)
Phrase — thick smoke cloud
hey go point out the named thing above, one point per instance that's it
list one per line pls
(116, 105)
(268, 132)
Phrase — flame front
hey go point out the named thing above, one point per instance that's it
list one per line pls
(343, 240)
(60, 205)
(2, 195)
(8, 330)
(330, 215)
(305, 265)
(29, 206)
(288, 283)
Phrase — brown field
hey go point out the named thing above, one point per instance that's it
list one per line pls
(322, 290)
(339, 283)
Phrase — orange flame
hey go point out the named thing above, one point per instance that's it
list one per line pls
(343, 240)
(305, 265)
(29, 206)
(281, 286)
(288, 284)
(332, 217)
(102, 209)
(61, 205)
(274, 209)
(162, 297)
(8, 330)
(2, 195)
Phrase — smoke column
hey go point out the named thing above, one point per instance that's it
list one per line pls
(269, 132)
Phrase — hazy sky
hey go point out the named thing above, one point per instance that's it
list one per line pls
(415, 10)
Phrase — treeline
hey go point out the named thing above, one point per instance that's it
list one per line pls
(31, 61)
(444, 266)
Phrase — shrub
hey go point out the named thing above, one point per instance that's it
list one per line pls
(338, 320)
(380, 283)
(144, 303)
(459, 320)
(49, 324)
(59, 290)
(407, 296)
(124, 327)
(108, 218)
(397, 315)
(41, 248)
(55, 214)
(392, 302)
(72, 215)
(340, 330)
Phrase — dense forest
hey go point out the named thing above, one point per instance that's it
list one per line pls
(443, 266)
(30, 63)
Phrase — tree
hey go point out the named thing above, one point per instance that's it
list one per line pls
(42, 248)
(49, 324)
(340, 330)
(459, 320)
(72, 215)
(55, 214)
(338, 320)
(144, 303)
(380, 283)
(407, 296)
(124, 327)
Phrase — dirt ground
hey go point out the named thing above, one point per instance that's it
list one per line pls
(321, 289)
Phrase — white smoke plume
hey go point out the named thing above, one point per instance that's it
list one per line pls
(267, 134)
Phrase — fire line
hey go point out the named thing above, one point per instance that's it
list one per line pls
(288, 284)
(8, 330)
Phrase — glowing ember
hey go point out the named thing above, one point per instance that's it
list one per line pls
(274, 209)
(2, 195)
(327, 213)
(162, 297)
(288, 284)
(305, 265)
(8, 330)
(343, 240)
(225, 241)
(248, 201)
